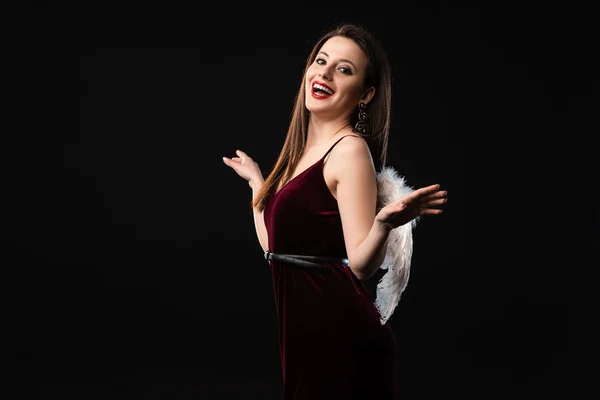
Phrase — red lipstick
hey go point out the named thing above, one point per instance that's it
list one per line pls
(319, 90)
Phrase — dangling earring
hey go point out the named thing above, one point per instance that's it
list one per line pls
(361, 125)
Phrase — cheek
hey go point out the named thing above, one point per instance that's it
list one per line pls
(309, 77)
(353, 94)
(309, 74)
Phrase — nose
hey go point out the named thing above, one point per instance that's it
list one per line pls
(326, 72)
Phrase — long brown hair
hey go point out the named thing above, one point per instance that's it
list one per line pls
(377, 75)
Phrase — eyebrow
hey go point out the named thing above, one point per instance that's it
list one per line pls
(343, 59)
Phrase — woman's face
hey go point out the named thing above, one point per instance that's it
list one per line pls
(334, 81)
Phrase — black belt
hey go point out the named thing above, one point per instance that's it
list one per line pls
(310, 262)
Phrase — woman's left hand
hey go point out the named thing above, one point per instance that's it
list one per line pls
(423, 201)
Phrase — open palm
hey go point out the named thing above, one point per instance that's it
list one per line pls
(423, 201)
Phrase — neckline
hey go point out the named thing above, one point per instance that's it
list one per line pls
(311, 166)
(299, 175)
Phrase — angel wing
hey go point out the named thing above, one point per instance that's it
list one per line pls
(390, 187)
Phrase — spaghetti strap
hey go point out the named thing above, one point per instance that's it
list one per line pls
(336, 142)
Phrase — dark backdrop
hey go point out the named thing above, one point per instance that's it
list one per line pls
(132, 269)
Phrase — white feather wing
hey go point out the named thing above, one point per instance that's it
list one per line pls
(391, 187)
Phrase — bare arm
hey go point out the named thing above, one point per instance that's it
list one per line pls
(365, 231)
(259, 220)
(356, 193)
(248, 169)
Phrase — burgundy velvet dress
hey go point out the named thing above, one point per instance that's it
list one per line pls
(331, 341)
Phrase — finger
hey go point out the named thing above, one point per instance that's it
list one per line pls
(433, 197)
(440, 194)
(420, 193)
(243, 157)
(430, 211)
(434, 203)
(427, 190)
(234, 159)
(241, 154)
(231, 163)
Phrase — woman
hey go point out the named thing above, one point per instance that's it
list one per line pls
(318, 219)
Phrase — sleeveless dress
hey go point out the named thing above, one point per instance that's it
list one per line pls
(332, 344)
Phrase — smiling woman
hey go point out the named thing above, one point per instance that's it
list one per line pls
(326, 219)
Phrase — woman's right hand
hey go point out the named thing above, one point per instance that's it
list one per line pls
(245, 167)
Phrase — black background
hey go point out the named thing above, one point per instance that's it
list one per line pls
(132, 269)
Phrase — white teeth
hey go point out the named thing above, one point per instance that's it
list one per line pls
(323, 88)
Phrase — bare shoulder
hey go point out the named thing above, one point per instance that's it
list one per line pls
(350, 159)
(351, 143)
(350, 153)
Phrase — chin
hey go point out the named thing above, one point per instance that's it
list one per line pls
(314, 110)
(315, 106)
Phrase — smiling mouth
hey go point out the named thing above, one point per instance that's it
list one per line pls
(321, 91)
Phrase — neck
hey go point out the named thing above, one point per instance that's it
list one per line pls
(320, 132)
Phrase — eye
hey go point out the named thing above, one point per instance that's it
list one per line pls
(320, 61)
(344, 70)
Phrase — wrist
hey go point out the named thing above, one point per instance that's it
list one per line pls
(255, 184)
(382, 227)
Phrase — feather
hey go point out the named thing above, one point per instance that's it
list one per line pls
(391, 187)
